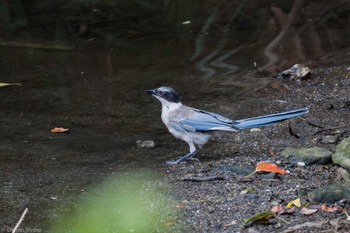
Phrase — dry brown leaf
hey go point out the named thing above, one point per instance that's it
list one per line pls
(278, 209)
(233, 222)
(290, 210)
(170, 223)
(59, 130)
(180, 206)
(307, 211)
(329, 209)
(318, 207)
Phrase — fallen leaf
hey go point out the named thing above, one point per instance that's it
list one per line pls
(180, 206)
(290, 211)
(244, 192)
(59, 130)
(278, 209)
(307, 211)
(169, 223)
(233, 222)
(262, 218)
(329, 209)
(269, 167)
(318, 207)
(295, 202)
(9, 84)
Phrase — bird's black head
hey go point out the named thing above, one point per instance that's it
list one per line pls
(167, 93)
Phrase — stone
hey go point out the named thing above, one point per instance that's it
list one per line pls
(309, 156)
(145, 144)
(329, 139)
(342, 154)
(344, 173)
(331, 193)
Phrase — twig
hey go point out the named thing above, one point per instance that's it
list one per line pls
(250, 174)
(20, 220)
(257, 70)
(332, 128)
(347, 216)
(292, 133)
(205, 178)
(314, 124)
(285, 221)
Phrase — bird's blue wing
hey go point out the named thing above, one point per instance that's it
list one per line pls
(206, 121)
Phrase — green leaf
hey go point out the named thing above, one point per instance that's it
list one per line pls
(261, 218)
(9, 84)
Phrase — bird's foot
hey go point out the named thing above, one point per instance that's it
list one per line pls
(171, 163)
(189, 156)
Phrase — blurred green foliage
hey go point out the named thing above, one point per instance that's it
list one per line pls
(128, 202)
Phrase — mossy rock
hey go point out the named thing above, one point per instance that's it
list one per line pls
(314, 155)
(342, 154)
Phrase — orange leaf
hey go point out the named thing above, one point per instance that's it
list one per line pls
(59, 130)
(269, 167)
(328, 209)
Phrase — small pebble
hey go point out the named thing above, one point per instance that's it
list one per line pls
(329, 139)
(255, 130)
(301, 164)
(145, 144)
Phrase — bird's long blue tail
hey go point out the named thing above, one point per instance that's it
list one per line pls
(268, 119)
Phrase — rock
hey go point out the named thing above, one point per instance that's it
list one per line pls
(342, 154)
(309, 156)
(307, 225)
(297, 71)
(331, 193)
(343, 173)
(145, 144)
(329, 139)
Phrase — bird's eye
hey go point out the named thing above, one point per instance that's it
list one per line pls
(166, 93)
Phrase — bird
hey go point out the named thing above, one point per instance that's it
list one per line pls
(196, 127)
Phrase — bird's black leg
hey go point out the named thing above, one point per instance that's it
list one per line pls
(188, 156)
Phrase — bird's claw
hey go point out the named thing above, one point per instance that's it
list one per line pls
(175, 162)
(171, 163)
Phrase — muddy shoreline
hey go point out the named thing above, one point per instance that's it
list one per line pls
(223, 205)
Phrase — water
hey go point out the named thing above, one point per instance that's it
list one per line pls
(99, 95)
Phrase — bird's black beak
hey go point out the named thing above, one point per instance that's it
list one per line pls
(152, 92)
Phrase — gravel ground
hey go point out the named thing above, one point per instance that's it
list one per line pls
(222, 204)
